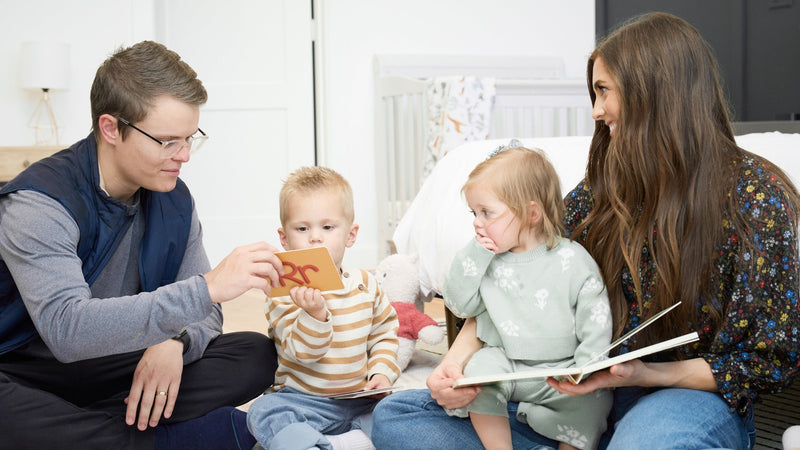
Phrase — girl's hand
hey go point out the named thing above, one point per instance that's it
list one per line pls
(440, 382)
(486, 243)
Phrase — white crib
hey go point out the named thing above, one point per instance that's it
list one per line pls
(533, 99)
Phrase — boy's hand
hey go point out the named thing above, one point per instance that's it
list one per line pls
(378, 381)
(311, 301)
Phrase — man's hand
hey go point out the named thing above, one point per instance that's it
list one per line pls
(156, 381)
(311, 301)
(246, 267)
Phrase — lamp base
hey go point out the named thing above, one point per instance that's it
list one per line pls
(43, 121)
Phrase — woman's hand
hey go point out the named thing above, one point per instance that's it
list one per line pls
(625, 374)
(440, 382)
(689, 374)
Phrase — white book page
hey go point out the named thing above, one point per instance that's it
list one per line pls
(576, 374)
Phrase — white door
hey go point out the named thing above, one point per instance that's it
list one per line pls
(255, 60)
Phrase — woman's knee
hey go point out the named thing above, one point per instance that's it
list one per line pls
(680, 418)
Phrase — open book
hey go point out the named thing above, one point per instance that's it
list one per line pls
(362, 393)
(599, 362)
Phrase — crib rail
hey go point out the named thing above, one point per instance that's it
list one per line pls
(399, 119)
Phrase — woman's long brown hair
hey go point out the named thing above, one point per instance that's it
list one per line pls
(662, 183)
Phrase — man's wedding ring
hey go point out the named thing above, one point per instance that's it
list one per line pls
(162, 392)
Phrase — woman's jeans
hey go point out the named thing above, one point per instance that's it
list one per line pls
(664, 419)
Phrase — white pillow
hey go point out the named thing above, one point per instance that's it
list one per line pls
(438, 223)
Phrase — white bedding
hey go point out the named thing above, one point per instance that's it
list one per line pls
(438, 222)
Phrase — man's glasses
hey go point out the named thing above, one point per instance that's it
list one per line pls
(171, 148)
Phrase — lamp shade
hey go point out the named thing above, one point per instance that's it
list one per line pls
(44, 65)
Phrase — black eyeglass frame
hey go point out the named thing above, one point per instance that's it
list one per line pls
(189, 140)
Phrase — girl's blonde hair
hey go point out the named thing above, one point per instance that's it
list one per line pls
(518, 176)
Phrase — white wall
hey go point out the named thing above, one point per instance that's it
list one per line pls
(93, 28)
(356, 30)
(353, 31)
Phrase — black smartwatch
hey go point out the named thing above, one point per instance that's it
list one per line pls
(184, 338)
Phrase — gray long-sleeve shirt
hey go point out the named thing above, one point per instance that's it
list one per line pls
(39, 241)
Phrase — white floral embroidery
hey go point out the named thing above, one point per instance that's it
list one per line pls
(541, 298)
(592, 284)
(509, 328)
(470, 268)
(571, 436)
(566, 255)
(601, 314)
(504, 278)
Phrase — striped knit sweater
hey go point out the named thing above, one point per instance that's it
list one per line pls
(358, 340)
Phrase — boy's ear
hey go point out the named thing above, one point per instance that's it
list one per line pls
(284, 240)
(535, 212)
(351, 237)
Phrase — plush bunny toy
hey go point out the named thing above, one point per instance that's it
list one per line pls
(397, 275)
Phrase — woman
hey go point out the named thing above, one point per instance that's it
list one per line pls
(668, 193)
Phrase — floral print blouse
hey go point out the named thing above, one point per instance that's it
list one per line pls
(757, 346)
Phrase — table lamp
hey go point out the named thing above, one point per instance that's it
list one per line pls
(44, 66)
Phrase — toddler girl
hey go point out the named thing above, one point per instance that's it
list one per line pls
(538, 300)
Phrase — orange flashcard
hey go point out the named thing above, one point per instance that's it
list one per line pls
(312, 267)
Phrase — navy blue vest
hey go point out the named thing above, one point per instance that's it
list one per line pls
(71, 177)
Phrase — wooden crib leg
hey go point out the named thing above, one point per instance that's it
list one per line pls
(452, 326)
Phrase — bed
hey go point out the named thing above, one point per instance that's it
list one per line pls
(436, 224)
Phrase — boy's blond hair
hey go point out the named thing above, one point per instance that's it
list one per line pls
(311, 179)
(518, 176)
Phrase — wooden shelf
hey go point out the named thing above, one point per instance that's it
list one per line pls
(14, 160)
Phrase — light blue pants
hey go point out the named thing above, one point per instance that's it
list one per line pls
(292, 420)
(577, 420)
(665, 419)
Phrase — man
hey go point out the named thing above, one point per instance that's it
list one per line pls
(110, 323)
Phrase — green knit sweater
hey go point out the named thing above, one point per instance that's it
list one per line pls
(541, 306)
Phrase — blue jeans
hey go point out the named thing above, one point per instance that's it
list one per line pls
(289, 419)
(665, 419)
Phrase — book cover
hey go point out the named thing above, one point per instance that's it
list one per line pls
(599, 362)
(312, 267)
